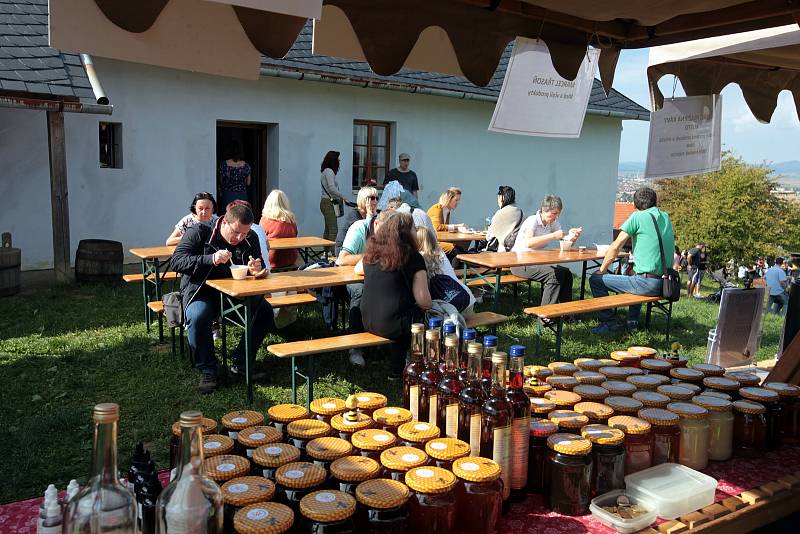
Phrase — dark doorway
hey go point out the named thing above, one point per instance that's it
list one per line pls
(252, 138)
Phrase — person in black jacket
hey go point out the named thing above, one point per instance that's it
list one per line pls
(204, 253)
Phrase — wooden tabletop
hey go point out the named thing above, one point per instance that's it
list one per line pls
(151, 253)
(457, 237)
(287, 281)
(284, 243)
(503, 260)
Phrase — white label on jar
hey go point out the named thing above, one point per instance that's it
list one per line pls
(475, 434)
(325, 497)
(394, 411)
(424, 473)
(226, 467)
(470, 466)
(437, 446)
(233, 435)
(239, 420)
(410, 458)
(451, 421)
(249, 453)
(381, 437)
(500, 453)
(257, 514)
(212, 445)
(423, 426)
(329, 406)
(413, 402)
(273, 451)
(364, 399)
(294, 473)
(238, 488)
(258, 435)
(520, 437)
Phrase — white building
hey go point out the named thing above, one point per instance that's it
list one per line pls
(171, 128)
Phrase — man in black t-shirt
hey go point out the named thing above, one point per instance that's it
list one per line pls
(697, 263)
(404, 175)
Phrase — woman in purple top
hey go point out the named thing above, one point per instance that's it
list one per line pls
(234, 176)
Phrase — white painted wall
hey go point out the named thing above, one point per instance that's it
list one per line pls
(169, 139)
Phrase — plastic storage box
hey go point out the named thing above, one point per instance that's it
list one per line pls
(673, 489)
(626, 526)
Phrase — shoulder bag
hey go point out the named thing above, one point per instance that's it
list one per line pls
(338, 204)
(672, 283)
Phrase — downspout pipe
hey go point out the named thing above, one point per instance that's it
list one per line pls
(94, 81)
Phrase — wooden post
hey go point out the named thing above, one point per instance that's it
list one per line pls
(58, 194)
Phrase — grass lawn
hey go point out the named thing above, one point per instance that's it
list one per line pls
(64, 349)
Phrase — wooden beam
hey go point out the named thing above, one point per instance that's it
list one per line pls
(56, 142)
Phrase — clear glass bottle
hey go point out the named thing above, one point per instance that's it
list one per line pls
(448, 390)
(104, 505)
(448, 330)
(192, 502)
(413, 369)
(496, 418)
(463, 367)
(520, 424)
(489, 347)
(429, 379)
(470, 402)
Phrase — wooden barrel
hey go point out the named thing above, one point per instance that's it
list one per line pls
(98, 260)
(10, 259)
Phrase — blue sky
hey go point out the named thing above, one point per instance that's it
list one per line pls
(741, 132)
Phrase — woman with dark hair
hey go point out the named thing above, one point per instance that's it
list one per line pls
(395, 283)
(505, 222)
(202, 209)
(234, 176)
(330, 194)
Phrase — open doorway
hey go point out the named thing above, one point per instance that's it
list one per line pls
(251, 138)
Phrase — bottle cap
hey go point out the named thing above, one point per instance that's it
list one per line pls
(264, 518)
(327, 506)
(403, 458)
(603, 434)
(474, 348)
(476, 469)
(448, 328)
(300, 475)
(382, 493)
(255, 436)
(652, 399)
(435, 322)
(562, 368)
(516, 350)
(629, 425)
(417, 328)
(446, 449)
(327, 406)
(688, 410)
(373, 439)
(358, 421)
(328, 449)
(432, 335)
(451, 341)
(392, 416)
(569, 444)
(308, 429)
(216, 444)
(759, 394)
(659, 416)
(431, 480)
(275, 455)
(499, 357)
(470, 334)
(243, 491)
(286, 413)
(242, 419)
(107, 412)
(489, 341)
(355, 468)
(417, 432)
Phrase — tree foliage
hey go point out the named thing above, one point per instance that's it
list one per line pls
(735, 211)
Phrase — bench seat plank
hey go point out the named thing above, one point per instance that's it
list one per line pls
(577, 307)
(130, 278)
(327, 344)
(291, 300)
(504, 279)
(485, 318)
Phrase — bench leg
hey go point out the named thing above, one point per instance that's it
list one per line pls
(559, 326)
(172, 338)
(538, 336)
(310, 382)
(182, 341)
(516, 292)
(647, 315)
(583, 280)
(294, 381)
(669, 319)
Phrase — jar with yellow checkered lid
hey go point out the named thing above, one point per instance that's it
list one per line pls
(244, 491)
(383, 507)
(562, 382)
(619, 388)
(304, 430)
(597, 412)
(666, 434)
(623, 405)
(771, 401)
(652, 399)
(790, 404)
(676, 393)
(209, 427)
(592, 378)
(708, 369)
(390, 418)
(416, 434)
(323, 451)
(348, 472)
(372, 442)
(687, 374)
(744, 378)
(226, 466)
(233, 422)
(645, 382)
(562, 368)
(349, 422)
(590, 392)
(617, 373)
(479, 494)
(296, 480)
(608, 457)
(564, 400)
(368, 401)
(643, 352)
(536, 388)
(398, 460)
(432, 506)
(443, 451)
(254, 437)
(638, 441)
(541, 407)
(588, 364)
(323, 409)
(216, 444)
(328, 511)
(540, 372)
(281, 415)
(568, 421)
(569, 468)
(625, 358)
(656, 366)
(268, 458)
(264, 518)
(607, 362)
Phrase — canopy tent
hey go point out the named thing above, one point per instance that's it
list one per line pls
(763, 63)
(461, 37)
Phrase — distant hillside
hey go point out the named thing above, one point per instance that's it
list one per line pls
(786, 172)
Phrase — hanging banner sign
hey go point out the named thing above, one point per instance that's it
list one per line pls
(685, 137)
(536, 100)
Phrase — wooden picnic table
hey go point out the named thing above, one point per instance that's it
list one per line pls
(460, 237)
(304, 244)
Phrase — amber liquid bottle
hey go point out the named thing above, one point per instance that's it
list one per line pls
(463, 366)
(413, 369)
(489, 347)
(496, 420)
(470, 402)
(429, 379)
(520, 424)
(449, 390)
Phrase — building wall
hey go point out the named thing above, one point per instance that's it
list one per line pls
(169, 139)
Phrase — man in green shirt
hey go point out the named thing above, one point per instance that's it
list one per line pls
(647, 267)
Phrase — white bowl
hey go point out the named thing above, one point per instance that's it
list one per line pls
(602, 249)
(565, 244)
(239, 272)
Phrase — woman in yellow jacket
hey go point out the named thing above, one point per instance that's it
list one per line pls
(440, 217)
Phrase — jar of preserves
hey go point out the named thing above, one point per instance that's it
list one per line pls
(652, 399)
(304, 430)
(534, 388)
(479, 495)
(383, 506)
(233, 422)
(617, 373)
(744, 378)
(281, 415)
(226, 467)
(717, 394)
(564, 400)
(625, 358)
(687, 374)
(271, 517)
(643, 352)
(589, 392)
(608, 457)
(216, 444)
(268, 458)
(638, 441)
(244, 491)
(656, 366)
(624, 405)
(390, 418)
(694, 388)
(720, 422)
(415, 434)
(588, 364)
(597, 413)
(676, 393)
(325, 408)
(540, 430)
(254, 437)
(539, 372)
(367, 402)
(328, 511)
(771, 401)
(723, 385)
(443, 451)
(645, 382)
(749, 429)
(708, 369)
(695, 434)
(348, 472)
(607, 362)
(398, 460)
(323, 451)
(432, 505)
(619, 388)
(790, 410)
(295, 480)
(666, 434)
(562, 368)
(372, 442)
(209, 428)
(592, 378)
(349, 422)
(568, 421)
(562, 382)
(541, 407)
(570, 466)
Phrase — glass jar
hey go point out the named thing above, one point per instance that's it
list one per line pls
(718, 394)
(443, 451)
(541, 407)
(561, 382)
(624, 405)
(539, 372)
(304, 430)
(367, 402)
(588, 364)
(233, 422)
(666, 434)
(271, 517)
(638, 441)
(384, 507)
(570, 466)
(432, 505)
(656, 366)
(625, 358)
(645, 382)
(390, 418)
(749, 429)
(323, 451)
(745, 379)
(675, 393)
(534, 388)
(416, 434)
(708, 369)
(686, 374)
(720, 421)
(328, 511)
(372, 442)
(617, 373)
(348, 472)
(608, 458)
(695, 434)
(216, 444)
(540, 430)
(790, 407)
(398, 460)
(619, 388)
(479, 495)
(562, 368)
(723, 385)
(296, 480)
(652, 399)
(771, 401)
(268, 458)
(597, 413)
(589, 378)
(244, 491)
(345, 424)
(254, 437)
(209, 428)
(590, 392)
(281, 415)
(226, 467)
(568, 421)
(325, 408)
(643, 352)
(564, 400)
(694, 388)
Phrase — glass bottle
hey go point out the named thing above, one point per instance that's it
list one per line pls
(463, 367)
(448, 330)
(470, 402)
(520, 424)
(435, 323)
(608, 456)
(479, 495)
(570, 465)
(496, 417)
(448, 390)
(192, 502)
(104, 504)
(429, 379)
(413, 369)
(489, 347)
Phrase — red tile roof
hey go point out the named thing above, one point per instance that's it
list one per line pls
(622, 210)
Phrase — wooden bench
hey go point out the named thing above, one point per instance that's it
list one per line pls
(131, 278)
(557, 312)
(504, 279)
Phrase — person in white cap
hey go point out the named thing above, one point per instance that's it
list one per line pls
(404, 175)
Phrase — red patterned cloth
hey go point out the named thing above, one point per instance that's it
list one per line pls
(530, 516)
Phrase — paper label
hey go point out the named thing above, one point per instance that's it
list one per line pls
(273, 451)
(226, 467)
(501, 454)
(433, 405)
(363, 399)
(294, 473)
(325, 497)
(451, 421)
(410, 458)
(258, 435)
(238, 420)
(212, 445)
(395, 411)
(470, 466)
(413, 398)
(520, 439)
(238, 488)
(381, 438)
(329, 406)
(257, 514)
(438, 446)
(424, 473)
(421, 427)
(475, 434)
